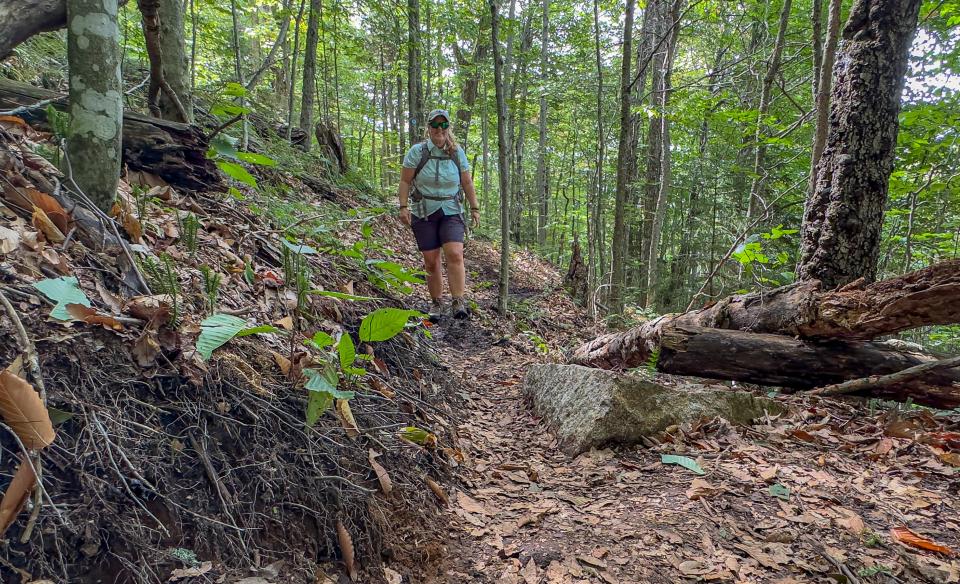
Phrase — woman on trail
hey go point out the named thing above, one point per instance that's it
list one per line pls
(439, 173)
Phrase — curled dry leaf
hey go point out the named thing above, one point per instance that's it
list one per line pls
(9, 240)
(906, 537)
(46, 226)
(22, 409)
(346, 549)
(386, 485)
(346, 418)
(146, 349)
(16, 495)
(282, 362)
(381, 387)
(91, 316)
(437, 490)
(154, 308)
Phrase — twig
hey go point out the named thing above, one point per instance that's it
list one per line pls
(878, 381)
(851, 579)
(25, 108)
(225, 497)
(224, 126)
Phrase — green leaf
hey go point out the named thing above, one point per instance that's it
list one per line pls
(235, 90)
(341, 295)
(347, 351)
(317, 403)
(780, 491)
(384, 323)
(684, 461)
(259, 159)
(224, 146)
(237, 172)
(418, 435)
(63, 291)
(321, 340)
(216, 330)
(322, 390)
(230, 110)
(58, 417)
(297, 248)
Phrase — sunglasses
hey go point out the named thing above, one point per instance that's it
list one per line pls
(443, 125)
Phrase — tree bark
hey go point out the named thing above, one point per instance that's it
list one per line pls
(176, 66)
(503, 147)
(756, 187)
(159, 84)
(823, 85)
(471, 82)
(844, 215)
(543, 184)
(624, 161)
(856, 312)
(96, 99)
(175, 152)
(414, 77)
(796, 364)
(307, 100)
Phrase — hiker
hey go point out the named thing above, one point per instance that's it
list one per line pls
(439, 173)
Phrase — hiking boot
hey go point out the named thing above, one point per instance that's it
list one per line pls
(436, 310)
(459, 309)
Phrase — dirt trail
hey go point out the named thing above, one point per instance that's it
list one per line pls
(527, 513)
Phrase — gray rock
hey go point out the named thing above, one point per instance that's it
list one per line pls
(589, 407)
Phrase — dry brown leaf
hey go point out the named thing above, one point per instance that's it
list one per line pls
(46, 226)
(9, 240)
(381, 387)
(131, 224)
(694, 568)
(386, 485)
(849, 520)
(951, 458)
(285, 323)
(9, 121)
(190, 572)
(51, 207)
(701, 488)
(769, 473)
(530, 572)
(346, 418)
(16, 495)
(146, 348)
(282, 362)
(23, 411)
(908, 538)
(154, 308)
(347, 288)
(471, 505)
(346, 550)
(438, 491)
(91, 316)
(108, 297)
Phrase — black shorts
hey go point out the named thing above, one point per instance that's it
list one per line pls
(437, 229)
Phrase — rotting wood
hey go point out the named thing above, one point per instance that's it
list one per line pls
(795, 364)
(176, 152)
(878, 381)
(856, 311)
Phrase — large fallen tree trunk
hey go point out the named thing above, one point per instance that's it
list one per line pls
(175, 152)
(783, 361)
(856, 311)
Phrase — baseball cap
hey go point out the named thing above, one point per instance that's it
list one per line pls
(437, 113)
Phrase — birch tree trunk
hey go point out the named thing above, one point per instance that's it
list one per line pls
(840, 236)
(96, 99)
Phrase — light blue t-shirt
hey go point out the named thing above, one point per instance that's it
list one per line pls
(438, 178)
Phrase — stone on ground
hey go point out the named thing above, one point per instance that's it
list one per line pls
(589, 407)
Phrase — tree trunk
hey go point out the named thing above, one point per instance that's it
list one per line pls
(293, 72)
(503, 147)
(543, 184)
(159, 84)
(844, 216)
(96, 100)
(21, 19)
(176, 66)
(856, 312)
(414, 77)
(824, 75)
(756, 187)
(310, 73)
(175, 152)
(783, 361)
(471, 82)
(624, 158)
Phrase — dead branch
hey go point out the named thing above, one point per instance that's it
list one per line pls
(881, 381)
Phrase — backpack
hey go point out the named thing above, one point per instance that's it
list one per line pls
(426, 156)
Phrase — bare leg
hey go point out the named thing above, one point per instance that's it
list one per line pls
(431, 263)
(456, 273)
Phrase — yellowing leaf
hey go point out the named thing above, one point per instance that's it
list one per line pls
(418, 436)
(282, 362)
(23, 411)
(437, 490)
(346, 418)
(46, 226)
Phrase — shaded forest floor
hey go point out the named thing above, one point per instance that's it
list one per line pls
(809, 496)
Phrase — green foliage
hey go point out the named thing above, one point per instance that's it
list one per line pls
(162, 277)
(189, 234)
(684, 461)
(62, 291)
(321, 392)
(385, 323)
(217, 330)
(211, 287)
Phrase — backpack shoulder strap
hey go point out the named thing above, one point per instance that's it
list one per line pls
(424, 157)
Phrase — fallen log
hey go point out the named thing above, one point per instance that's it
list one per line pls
(767, 359)
(856, 311)
(21, 19)
(175, 152)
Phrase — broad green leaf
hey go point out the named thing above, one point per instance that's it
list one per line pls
(228, 110)
(684, 461)
(62, 291)
(347, 351)
(224, 146)
(322, 390)
(297, 248)
(384, 323)
(237, 172)
(780, 491)
(321, 340)
(216, 330)
(58, 417)
(259, 159)
(234, 89)
(341, 295)
(418, 436)
(317, 403)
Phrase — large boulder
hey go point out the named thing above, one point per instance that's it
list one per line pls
(589, 407)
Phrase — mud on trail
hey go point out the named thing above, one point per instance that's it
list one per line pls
(815, 495)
